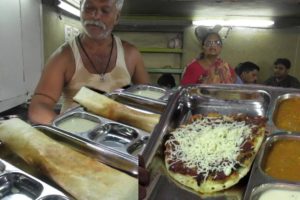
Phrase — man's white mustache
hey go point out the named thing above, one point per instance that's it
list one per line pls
(95, 23)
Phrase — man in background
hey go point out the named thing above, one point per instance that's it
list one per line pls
(166, 80)
(247, 72)
(281, 77)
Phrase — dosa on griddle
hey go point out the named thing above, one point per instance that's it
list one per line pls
(83, 177)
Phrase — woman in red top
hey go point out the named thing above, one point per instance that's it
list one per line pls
(209, 68)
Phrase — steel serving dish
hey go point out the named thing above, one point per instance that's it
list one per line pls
(133, 96)
(260, 181)
(275, 111)
(203, 99)
(159, 94)
(16, 184)
(263, 191)
(117, 144)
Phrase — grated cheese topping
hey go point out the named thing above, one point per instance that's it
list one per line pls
(209, 144)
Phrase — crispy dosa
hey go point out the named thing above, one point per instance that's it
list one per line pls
(108, 108)
(83, 177)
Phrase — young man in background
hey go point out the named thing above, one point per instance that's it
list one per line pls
(281, 77)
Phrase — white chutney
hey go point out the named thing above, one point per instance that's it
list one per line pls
(280, 194)
(77, 125)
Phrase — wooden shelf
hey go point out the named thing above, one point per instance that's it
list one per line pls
(159, 50)
(164, 70)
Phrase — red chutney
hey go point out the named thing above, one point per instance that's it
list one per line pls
(287, 116)
(283, 160)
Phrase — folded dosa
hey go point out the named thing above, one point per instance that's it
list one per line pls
(108, 108)
(83, 177)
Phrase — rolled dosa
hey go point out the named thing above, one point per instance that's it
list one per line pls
(108, 108)
(83, 177)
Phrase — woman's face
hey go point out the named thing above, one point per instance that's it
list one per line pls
(212, 45)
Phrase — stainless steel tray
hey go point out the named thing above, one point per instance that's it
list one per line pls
(16, 184)
(117, 144)
(131, 97)
(260, 181)
(195, 99)
(138, 89)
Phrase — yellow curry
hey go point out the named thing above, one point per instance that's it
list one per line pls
(283, 160)
(287, 116)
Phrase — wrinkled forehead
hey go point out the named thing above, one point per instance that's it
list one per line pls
(97, 1)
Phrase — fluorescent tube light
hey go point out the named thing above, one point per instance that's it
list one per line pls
(69, 8)
(74, 3)
(235, 22)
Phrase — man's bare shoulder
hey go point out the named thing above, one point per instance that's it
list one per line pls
(135, 64)
(129, 48)
(62, 53)
(62, 61)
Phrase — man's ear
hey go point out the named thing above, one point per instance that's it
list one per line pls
(117, 18)
(243, 74)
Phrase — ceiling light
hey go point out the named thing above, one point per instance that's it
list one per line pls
(235, 22)
(69, 8)
(74, 3)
